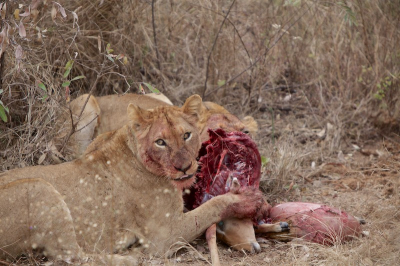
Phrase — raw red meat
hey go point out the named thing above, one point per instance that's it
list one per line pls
(223, 157)
(228, 155)
(315, 222)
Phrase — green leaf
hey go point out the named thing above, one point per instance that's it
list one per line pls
(108, 49)
(42, 86)
(66, 84)
(78, 77)
(292, 2)
(264, 161)
(44, 98)
(69, 64)
(66, 73)
(151, 88)
(221, 83)
(293, 187)
(68, 68)
(349, 16)
(3, 115)
(5, 108)
(110, 58)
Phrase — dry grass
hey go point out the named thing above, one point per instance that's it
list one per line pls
(342, 59)
(299, 67)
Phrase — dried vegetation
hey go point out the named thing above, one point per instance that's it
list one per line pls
(321, 78)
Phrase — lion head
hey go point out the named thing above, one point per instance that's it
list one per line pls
(215, 116)
(167, 140)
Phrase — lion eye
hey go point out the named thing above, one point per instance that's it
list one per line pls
(187, 135)
(245, 131)
(161, 142)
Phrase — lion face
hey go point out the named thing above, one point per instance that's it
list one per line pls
(215, 116)
(227, 122)
(168, 141)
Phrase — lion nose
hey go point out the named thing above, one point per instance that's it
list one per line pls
(183, 169)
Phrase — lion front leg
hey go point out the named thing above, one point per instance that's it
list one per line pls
(242, 203)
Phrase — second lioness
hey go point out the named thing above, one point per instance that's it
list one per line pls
(107, 113)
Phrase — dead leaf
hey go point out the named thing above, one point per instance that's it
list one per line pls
(39, 34)
(53, 13)
(3, 8)
(41, 158)
(35, 14)
(322, 133)
(356, 147)
(19, 52)
(4, 39)
(21, 29)
(287, 98)
(99, 43)
(75, 16)
(62, 11)
(16, 14)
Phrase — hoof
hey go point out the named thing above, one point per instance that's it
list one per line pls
(284, 226)
(361, 220)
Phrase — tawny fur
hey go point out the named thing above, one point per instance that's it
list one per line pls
(124, 191)
(109, 112)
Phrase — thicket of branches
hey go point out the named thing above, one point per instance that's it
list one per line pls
(341, 57)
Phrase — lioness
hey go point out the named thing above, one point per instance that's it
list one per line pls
(125, 190)
(107, 113)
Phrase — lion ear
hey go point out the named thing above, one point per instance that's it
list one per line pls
(193, 106)
(251, 125)
(138, 116)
